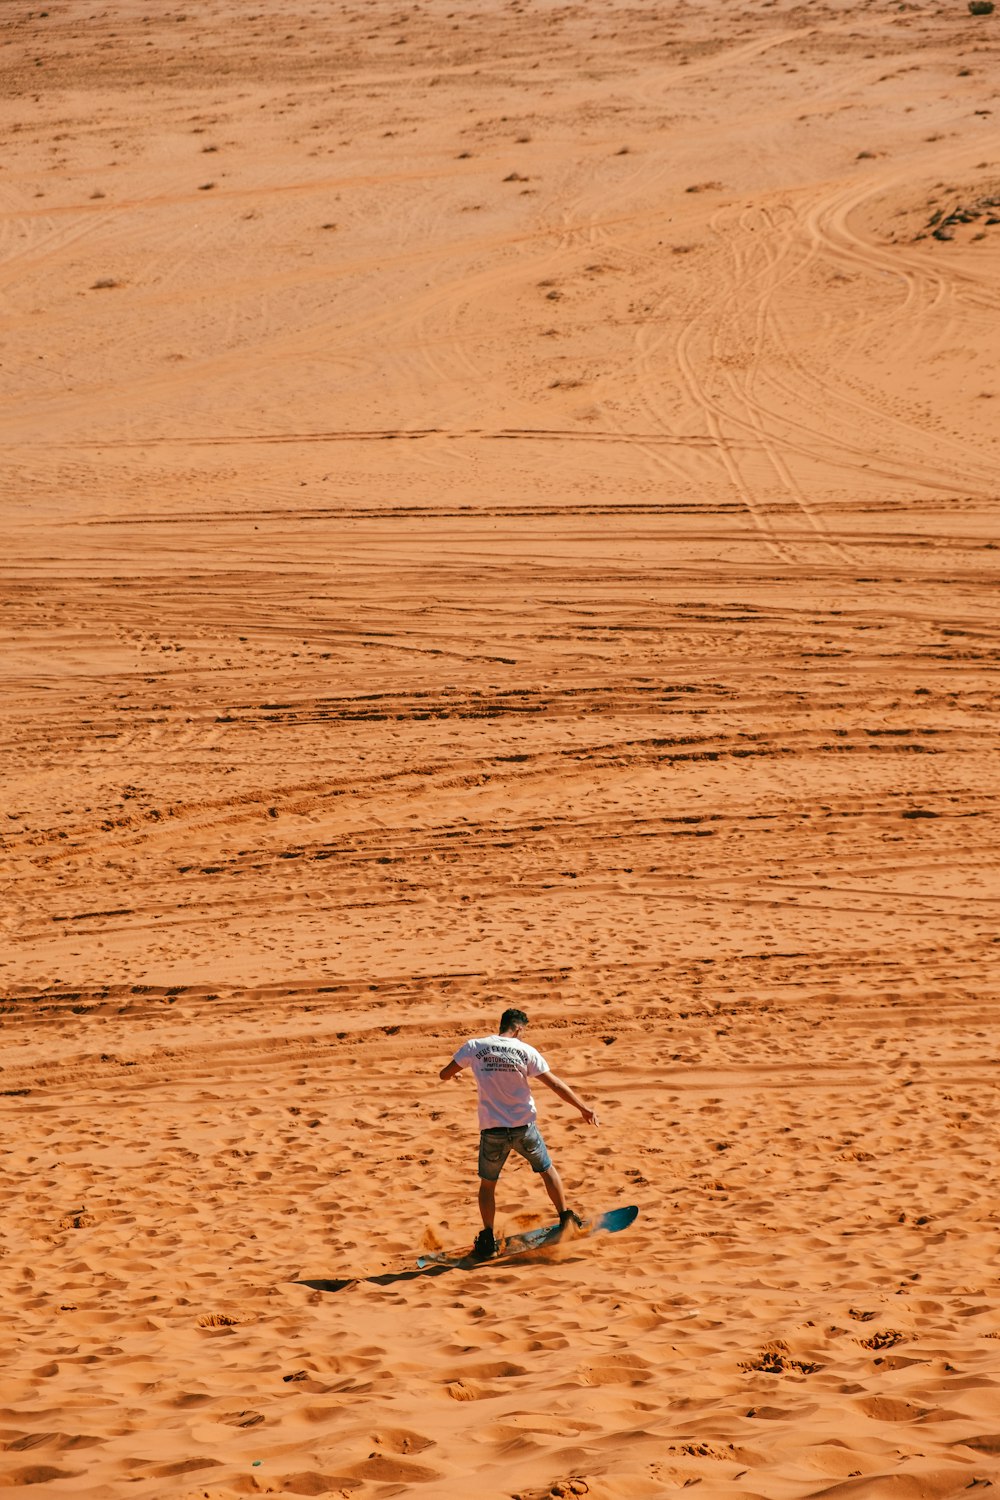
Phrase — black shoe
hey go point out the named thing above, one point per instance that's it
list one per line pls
(569, 1217)
(485, 1245)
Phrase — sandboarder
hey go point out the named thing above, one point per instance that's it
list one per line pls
(502, 1065)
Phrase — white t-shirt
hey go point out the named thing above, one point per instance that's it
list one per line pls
(502, 1066)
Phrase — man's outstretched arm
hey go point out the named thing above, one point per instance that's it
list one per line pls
(565, 1092)
(452, 1070)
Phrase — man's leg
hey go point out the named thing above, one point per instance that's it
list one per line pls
(486, 1244)
(487, 1201)
(494, 1147)
(554, 1188)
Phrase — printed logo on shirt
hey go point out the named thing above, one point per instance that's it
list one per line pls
(501, 1060)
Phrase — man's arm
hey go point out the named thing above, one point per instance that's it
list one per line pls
(451, 1071)
(565, 1092)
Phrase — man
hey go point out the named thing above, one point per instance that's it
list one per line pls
(501, 1066)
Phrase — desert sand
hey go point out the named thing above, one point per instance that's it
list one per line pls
(499, 507)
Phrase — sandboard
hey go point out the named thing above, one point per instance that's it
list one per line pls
(513, 1245)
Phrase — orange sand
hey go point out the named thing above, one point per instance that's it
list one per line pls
(500, 505)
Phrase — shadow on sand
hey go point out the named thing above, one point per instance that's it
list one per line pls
(541, 1255)
(385, 1278)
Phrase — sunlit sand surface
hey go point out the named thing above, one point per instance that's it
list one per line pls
(499, 506)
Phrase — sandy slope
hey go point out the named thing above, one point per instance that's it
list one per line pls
(499, 506)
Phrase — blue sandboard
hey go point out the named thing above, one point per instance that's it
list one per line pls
(514, 1245)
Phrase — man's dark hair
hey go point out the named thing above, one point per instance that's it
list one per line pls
(512, 1018)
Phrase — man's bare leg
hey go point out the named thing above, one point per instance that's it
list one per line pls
(554, 1188)
(487, 1201)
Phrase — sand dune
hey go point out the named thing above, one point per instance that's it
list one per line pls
(500, 507)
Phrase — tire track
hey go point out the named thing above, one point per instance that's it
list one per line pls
(925, 294)
(781, 265)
